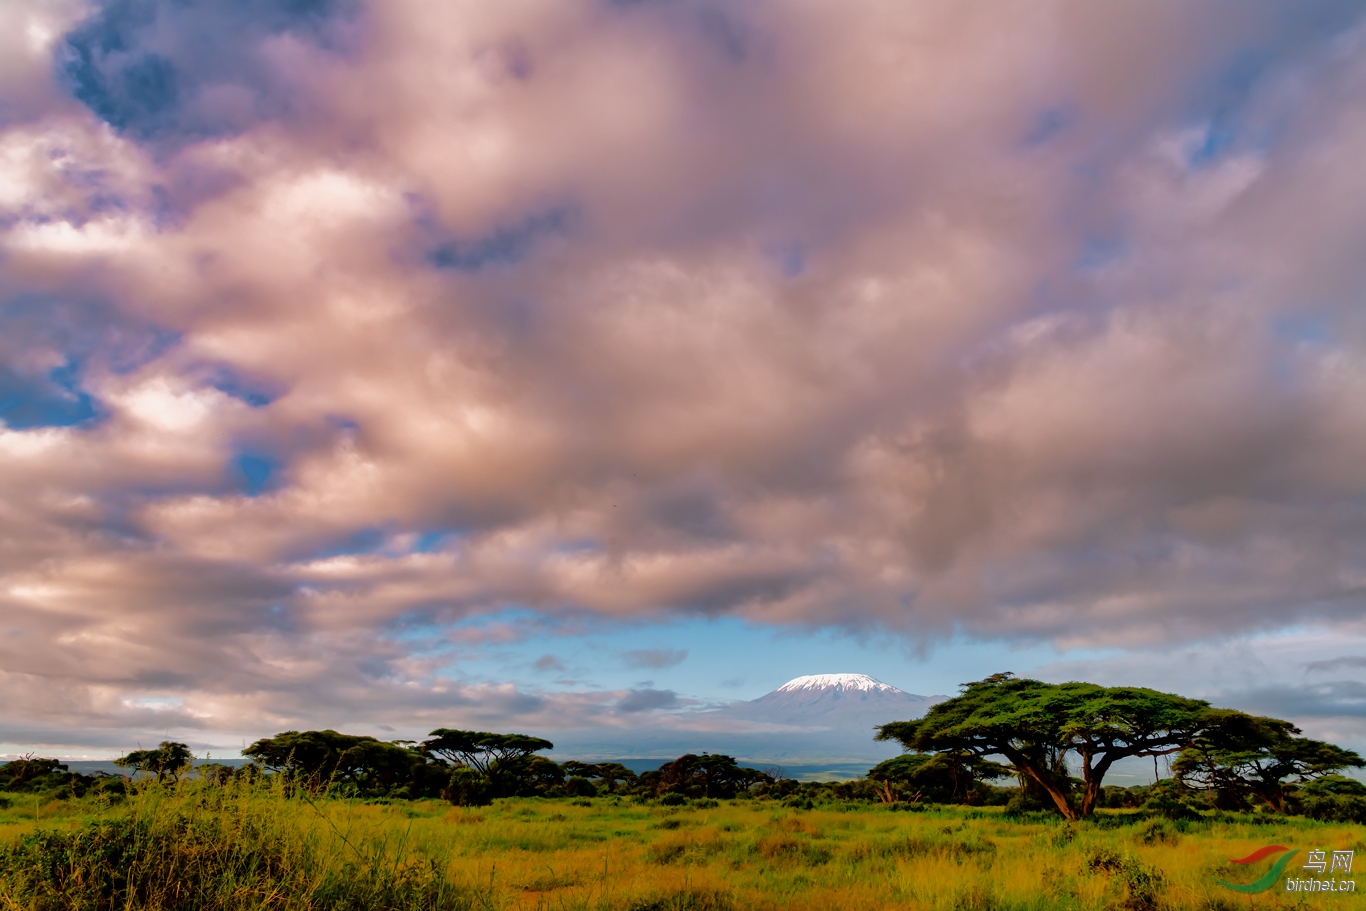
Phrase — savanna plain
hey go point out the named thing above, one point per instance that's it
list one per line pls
(197, 844)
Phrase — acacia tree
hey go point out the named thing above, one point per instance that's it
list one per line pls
(1254, 756)
(707, 775)
(376, 765)
(1035, 724)
(501, 759)
(322, 756)
(167, 760)
(313, 755)
(608, 773)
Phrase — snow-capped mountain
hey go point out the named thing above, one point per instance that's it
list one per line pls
(852, 702)
(838, 682)
(818, 718)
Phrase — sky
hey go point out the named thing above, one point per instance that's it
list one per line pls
(558, 365)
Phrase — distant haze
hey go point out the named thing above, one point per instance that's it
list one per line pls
(811, 719)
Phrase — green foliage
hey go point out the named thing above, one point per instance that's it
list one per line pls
(362, 764)
(1251, 757)
(1334, 798)
(611, 776)
(1169, 799)
(23, 774)
(504, 760)
(1036, 725)
(48, 779)
(705, 775)
(169, 760)
(938, 777)
(467, 788)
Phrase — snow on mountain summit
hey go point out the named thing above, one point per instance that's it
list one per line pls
(843, 682)
(855, 700)
(826, 714)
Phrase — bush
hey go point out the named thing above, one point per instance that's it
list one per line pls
(1335, 808)
(1332, 798)
(580, 787)
(467, 788)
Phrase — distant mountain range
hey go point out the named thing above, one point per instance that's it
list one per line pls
(822, 718)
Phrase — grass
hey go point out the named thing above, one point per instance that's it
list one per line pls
(198, 846)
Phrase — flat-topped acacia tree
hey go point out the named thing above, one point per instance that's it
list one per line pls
(499, 758)
(168, 760)
(1033, 724)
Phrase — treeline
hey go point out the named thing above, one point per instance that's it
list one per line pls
(49, 779)
(467, 768)
(1059, 741)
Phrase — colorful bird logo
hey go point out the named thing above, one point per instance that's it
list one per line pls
(1269, 879)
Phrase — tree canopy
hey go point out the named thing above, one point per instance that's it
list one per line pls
(1036, 725)
(322, 756)
(703, 775)
(503, 760)
(1264, 758)
(167, 760)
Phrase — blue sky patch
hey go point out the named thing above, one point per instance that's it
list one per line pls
(1099, 252)
(1304, 328)
(254, 391)
(504, 246)
(80, 336)
(1050, 123)
(256, 471)
(144, 67)
(431, 542)
(55, 400)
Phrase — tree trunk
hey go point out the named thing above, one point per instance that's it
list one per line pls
(1045, 781)
(1093, 776)
(1060, 799)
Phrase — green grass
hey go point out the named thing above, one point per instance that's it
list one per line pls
(197, 846)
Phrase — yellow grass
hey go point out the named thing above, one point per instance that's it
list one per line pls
(612, 854)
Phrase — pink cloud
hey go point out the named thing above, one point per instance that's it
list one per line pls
(783, 315)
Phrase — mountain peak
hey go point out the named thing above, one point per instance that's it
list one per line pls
(861, 683)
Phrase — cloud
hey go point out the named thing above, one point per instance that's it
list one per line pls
(655, 658)
(330, 331)
(1340, 699)
(646, 700)
(1346, 662)
(549, 663)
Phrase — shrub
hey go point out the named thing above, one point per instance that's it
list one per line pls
(467, 788)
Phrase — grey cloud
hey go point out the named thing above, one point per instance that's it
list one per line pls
(1338, 699)
(1346, 662)
(548, 663)
(645, 700)
(655, 657)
